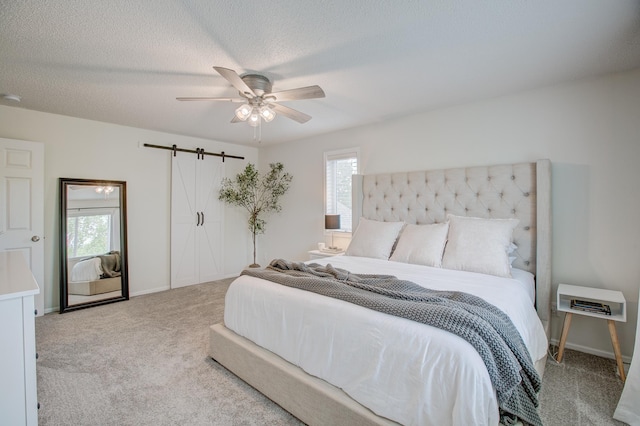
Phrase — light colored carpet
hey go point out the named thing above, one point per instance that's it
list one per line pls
(144, 362)
(583, 390)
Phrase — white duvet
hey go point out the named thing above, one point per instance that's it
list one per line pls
(87, 270)
(408, 372)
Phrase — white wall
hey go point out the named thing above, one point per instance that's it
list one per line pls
(590, 130)
(76, 148)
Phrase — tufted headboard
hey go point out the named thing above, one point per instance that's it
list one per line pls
(521, 191)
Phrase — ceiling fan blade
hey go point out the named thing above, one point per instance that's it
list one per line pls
(291, 113)
(309, 92)
(232, 77)
(213, 99)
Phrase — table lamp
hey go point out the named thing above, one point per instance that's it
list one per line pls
(332, 221)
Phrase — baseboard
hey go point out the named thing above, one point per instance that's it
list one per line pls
(153, 290)
(591, 351)
(141, 293)
(234, 275)
(165, 288)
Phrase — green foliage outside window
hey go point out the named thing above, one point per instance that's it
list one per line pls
(88, 235)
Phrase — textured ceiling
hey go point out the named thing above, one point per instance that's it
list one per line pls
(125, 62)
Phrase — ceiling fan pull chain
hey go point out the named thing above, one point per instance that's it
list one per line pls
(257, 132)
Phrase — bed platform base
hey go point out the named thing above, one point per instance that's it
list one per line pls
(90, 288)
(310, 399)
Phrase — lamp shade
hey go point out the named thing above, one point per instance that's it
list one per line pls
(243, 112)
(254, 118)
(267, 114)
(332, 221)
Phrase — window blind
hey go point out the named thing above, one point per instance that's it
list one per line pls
(339, 167)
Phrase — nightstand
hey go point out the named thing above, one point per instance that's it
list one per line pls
(319, 254)
(616, 302)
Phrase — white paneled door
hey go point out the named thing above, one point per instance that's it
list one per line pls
(22, 205)
(196, 219)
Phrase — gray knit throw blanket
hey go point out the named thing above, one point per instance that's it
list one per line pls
(483, 325)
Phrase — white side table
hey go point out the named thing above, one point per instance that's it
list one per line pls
(615, 300)
(320, 254)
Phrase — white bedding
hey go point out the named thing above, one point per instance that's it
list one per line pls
(87, 270)
(408, 372)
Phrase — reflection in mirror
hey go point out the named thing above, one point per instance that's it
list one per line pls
(93, 242)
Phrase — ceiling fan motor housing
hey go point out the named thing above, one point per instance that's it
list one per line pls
(258, 83)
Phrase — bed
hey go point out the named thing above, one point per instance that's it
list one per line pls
(95, 275)
(329, 362)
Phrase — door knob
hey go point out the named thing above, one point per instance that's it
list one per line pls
(35, 238)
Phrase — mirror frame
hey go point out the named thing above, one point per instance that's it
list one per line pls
(65, 183)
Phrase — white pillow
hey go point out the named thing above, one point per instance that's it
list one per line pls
(422, 244)
(374, 239)
(479, 245)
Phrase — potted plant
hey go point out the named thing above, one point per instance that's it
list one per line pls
(258, 194)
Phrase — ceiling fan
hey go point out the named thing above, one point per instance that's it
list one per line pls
(259, 103)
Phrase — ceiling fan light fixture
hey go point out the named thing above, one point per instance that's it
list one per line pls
(106, 190)
(267, 114)
(254, 118)
(243, 112)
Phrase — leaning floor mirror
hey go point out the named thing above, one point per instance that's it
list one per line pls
(93, 243)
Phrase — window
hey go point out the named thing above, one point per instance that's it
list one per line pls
(89, 233)
(339, 166)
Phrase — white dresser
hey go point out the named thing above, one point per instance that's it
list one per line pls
(18, 393)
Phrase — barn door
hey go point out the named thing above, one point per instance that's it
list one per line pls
(196, 220)
(209, 235)
(22, 205)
